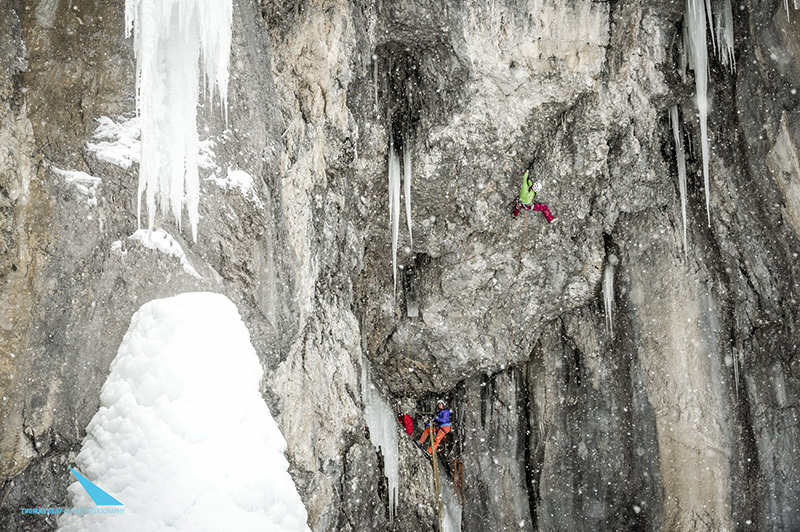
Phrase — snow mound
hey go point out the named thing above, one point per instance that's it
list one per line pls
(183, 438)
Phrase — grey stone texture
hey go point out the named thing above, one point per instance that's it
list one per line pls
(686, 417)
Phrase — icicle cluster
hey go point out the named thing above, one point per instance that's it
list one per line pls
(697, 57)
(608, 291)
(382, 425)
(394, 196)
(171, 38)
(724, 29)
(681, 158)
(451, 520)
(697, 14)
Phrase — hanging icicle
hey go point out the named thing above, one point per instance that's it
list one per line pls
(608, 291)
(175, 42)
(681, 160)
(394, 204)
(724, 30)
(795, 3)
(696, 44)
(407, 182)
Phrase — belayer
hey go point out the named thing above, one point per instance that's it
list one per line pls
(442, 425)
(527, 193)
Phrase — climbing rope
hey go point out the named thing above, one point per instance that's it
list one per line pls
(516, 314)
(437, 487)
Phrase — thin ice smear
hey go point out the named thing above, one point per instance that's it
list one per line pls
(382, 425)
(171, 40)
(681, 161)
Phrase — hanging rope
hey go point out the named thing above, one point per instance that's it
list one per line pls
(437, 488)
(516, 314)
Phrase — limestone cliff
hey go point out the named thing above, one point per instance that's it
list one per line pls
(684, 417)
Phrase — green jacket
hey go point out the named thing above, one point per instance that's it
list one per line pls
(526, 192)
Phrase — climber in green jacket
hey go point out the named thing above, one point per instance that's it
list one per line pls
(527, 193)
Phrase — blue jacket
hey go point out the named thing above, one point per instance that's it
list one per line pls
(443, 418)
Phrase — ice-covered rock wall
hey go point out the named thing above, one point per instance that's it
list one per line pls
(684, 418)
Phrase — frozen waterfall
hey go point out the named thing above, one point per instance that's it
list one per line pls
(382, 425)
(173, 40)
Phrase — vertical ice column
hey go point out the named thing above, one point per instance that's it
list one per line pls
(382, 425)
(681, 160)
(394, 204)
(171, 40)
(796, 4)
(407, 183)
(608, 291)
(696, 44)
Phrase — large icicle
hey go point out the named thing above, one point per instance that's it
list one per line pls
(695, 20)
(394, 204)
(608, 291)
(681, 159)
(451, 520)
(724, 30)
(171, 39)
(796, 4)
(407, 183)
(382, 425)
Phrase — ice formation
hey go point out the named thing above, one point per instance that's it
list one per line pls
(696, 45)
(451, 520)
(171, 38)
(178, 457)
(394, 196)
(394, 204)
(796, 4)
(724, 30)
(608, 291)
(382, 425)
(407, 183)
(681, 160)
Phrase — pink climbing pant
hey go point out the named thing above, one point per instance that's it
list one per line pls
(541, 207)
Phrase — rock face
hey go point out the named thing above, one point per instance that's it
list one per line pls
(684, 417)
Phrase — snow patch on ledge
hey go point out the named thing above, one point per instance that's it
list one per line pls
(119, 141)
(183, 438)
(241, 181)
(84, 183)
(162, 241)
